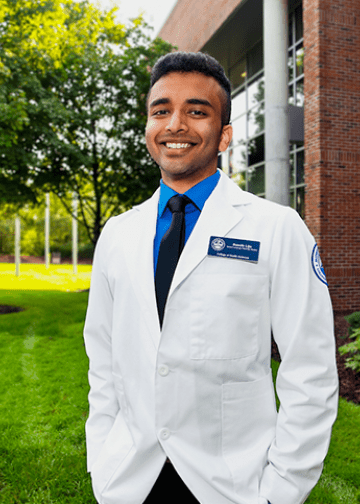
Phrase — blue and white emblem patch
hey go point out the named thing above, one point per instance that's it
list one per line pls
(317, 264)
(217, 244)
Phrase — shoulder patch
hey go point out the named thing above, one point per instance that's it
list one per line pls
(317, 264)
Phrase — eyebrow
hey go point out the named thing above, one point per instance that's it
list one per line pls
(191, 101)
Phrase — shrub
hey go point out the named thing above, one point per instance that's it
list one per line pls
(353, 348)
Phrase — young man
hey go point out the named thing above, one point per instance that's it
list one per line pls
(182, 400)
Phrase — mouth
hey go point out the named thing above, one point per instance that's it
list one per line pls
(177, 145)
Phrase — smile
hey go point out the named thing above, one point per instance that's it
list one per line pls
(177, 145)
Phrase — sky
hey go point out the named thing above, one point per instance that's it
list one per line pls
(155, 11)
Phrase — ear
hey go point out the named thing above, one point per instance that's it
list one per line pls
(226, 136)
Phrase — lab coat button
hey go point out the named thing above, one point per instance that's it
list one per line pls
(164, 434)
(163, 370)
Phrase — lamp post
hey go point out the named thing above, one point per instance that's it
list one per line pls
(47, 231)
(75, 235)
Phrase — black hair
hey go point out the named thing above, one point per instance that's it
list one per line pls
(194, 62)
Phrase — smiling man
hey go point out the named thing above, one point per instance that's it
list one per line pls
(186, 291)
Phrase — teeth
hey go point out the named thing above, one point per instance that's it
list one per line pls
(177, 145)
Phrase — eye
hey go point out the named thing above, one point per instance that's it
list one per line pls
(197, 112)
(160, 112)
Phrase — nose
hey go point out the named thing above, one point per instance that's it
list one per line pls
(176, 123)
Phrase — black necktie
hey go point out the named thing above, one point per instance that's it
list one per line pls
(170, 249)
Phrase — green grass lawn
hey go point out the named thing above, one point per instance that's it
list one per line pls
(43, 408)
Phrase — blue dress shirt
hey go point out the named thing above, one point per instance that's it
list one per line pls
(198, 194)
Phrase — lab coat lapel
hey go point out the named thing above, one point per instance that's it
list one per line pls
(220, 214)
(140, 261)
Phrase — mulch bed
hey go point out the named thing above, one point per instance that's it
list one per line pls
(4, 309)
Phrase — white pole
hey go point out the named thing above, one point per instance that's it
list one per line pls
(17, 246)
(47, 231)
(75, 235)
(276, 101)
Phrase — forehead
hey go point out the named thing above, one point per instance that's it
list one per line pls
(182, 86)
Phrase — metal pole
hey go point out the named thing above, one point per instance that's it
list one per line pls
(276, 101)
(47, 231)
(17, 246)
(75, 235)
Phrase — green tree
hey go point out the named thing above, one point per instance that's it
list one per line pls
(99, 117)
(80, 111)
(36, 35)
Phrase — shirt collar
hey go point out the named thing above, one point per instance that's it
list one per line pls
(198, 194)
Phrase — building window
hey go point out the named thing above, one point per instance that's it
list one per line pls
(297, 179)
(244, 161)
(296, 97)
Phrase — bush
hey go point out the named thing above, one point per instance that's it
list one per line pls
(85, 251)
(353, 348)
(354, 321)
(7, 237)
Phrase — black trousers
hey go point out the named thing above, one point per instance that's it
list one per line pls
(170, 485)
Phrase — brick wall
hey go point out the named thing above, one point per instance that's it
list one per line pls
(193, 22)
(332, 142)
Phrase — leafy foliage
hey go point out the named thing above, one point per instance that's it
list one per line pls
(78, 114)
(353, 347)
(32, 229)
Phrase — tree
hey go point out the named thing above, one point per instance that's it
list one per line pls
(36, 35)
(81, 114)
(99, 117)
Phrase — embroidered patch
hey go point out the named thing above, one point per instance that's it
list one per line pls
(317, 264)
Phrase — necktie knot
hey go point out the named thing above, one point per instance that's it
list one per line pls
(178, 203)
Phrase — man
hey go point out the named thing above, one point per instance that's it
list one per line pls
(182, 400)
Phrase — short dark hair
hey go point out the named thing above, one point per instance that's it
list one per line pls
(194, 62)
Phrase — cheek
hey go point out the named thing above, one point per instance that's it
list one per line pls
(150, 133)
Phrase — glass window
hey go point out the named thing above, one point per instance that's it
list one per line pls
(299, 30)
(256, 92)
(299, 60)
(237, 159)
(300, 201)
(297, 178)
(237, 74)
(300, 93)
(238, 105)
(255, 60)
(290, 31)
(300, 173)
(291, 66)
(256, 179)
(256, 150)
(239, 130)
(256, 120)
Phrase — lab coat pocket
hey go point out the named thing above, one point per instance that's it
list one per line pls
(248, 428)
(115, 450)
(225, 313)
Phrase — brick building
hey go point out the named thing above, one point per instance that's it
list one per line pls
(295, 73)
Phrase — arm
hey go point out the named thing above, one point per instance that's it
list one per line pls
(307, 385)
(97, 333)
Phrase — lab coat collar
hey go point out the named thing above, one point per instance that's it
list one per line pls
(219, 215)
(221, 212)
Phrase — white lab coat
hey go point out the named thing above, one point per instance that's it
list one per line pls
(200, 391)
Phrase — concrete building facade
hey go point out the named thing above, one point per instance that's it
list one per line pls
(294, 67)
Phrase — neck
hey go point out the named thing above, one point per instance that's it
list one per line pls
(181, 185)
